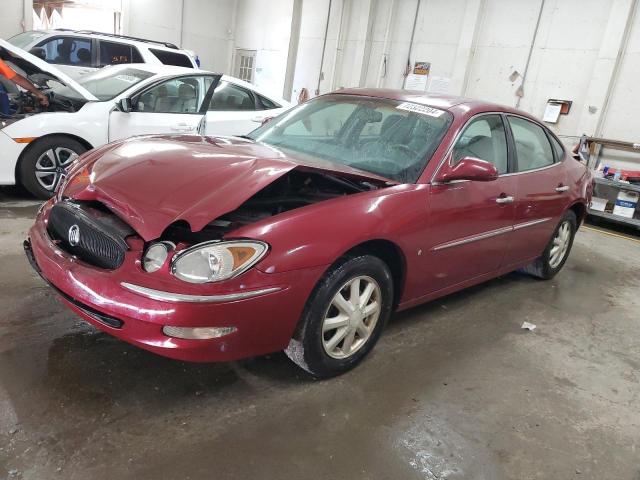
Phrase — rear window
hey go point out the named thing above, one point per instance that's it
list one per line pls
(172, 58)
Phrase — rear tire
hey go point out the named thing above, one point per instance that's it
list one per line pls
(45, 163)
(557, 251)
(344, 317)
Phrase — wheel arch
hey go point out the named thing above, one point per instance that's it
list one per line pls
(391, 254)
(580, 210)
(31, 145)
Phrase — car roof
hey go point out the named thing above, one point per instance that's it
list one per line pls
(141, 42)
(453, 103)
(160, 69)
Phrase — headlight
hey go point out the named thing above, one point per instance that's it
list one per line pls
(216, 261)
(156, 255)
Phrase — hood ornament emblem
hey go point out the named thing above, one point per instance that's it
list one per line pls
(74, 235)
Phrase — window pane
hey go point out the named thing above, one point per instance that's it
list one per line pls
(557, 146)
(179, 95)
(532, 146)
(172, 58)
(65, 51)
(135, 56)
(485, 139)
(336, 128)
(112, 53)
(230, 97)
(266, 103)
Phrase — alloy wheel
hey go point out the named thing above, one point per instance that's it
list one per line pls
(560, 244)
(351, 317)
(51, 166)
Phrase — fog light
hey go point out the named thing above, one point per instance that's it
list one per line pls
(155, 256)
(198, 333)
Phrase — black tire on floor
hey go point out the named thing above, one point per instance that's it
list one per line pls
(306, 348)
(541, 267)
(59, 148)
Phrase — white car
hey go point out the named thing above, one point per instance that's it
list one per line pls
(78, 52)
(37, 144)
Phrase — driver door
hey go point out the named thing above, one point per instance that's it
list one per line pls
(471, 221)
(173, 106)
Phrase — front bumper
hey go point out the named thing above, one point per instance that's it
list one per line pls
(264, 323)
(11, 151)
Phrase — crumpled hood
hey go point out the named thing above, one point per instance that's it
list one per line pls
(151, 182)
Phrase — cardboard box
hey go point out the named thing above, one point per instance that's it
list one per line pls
(598, 204)
(626, 204)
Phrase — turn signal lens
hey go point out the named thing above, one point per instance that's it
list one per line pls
(216, 261)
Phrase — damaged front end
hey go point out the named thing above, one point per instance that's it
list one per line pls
(92, 232)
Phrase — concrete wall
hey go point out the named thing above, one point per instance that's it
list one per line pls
(204, 26)
(15, 16)
(587, 51)
(265, 27)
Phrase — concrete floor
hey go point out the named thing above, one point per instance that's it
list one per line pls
(455, 389)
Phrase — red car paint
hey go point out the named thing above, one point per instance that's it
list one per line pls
(152, 182)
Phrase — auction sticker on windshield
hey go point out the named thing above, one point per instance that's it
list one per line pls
(423, 109)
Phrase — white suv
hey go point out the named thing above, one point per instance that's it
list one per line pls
(77, 52)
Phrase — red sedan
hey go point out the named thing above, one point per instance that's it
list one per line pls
(308, 233)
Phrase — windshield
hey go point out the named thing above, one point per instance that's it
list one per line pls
(24, 39)
(387, 137)
(107, 83)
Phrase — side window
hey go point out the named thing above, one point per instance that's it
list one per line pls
(172, 58)
(65, 51)
(266, 103)
(112, 53)
(557, 146)
(178, 95)
(484, 138)
(532, 145)
(230, 97)
(135, 55)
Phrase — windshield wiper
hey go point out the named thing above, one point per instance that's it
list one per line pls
(344, 182)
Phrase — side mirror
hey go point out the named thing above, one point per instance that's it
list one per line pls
(124, 105)
(468, 168)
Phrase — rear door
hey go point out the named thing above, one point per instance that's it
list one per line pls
(236, 110)
(471, 222)
(172, 106)
(541, 187)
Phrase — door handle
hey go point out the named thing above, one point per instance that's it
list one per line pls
(562, 188)
(258, 119)
(504, 199)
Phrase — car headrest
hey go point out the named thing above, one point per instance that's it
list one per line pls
(186, 91)
(84, 55)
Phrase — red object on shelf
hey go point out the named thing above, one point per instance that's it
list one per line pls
(628, 175)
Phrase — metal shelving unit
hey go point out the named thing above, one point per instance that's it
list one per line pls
(593, 147)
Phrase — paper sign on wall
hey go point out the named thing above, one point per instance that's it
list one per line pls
(439, 84)
(416, 82)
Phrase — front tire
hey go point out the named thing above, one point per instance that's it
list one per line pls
(45, 163)
(557, 251)
(344, 317)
